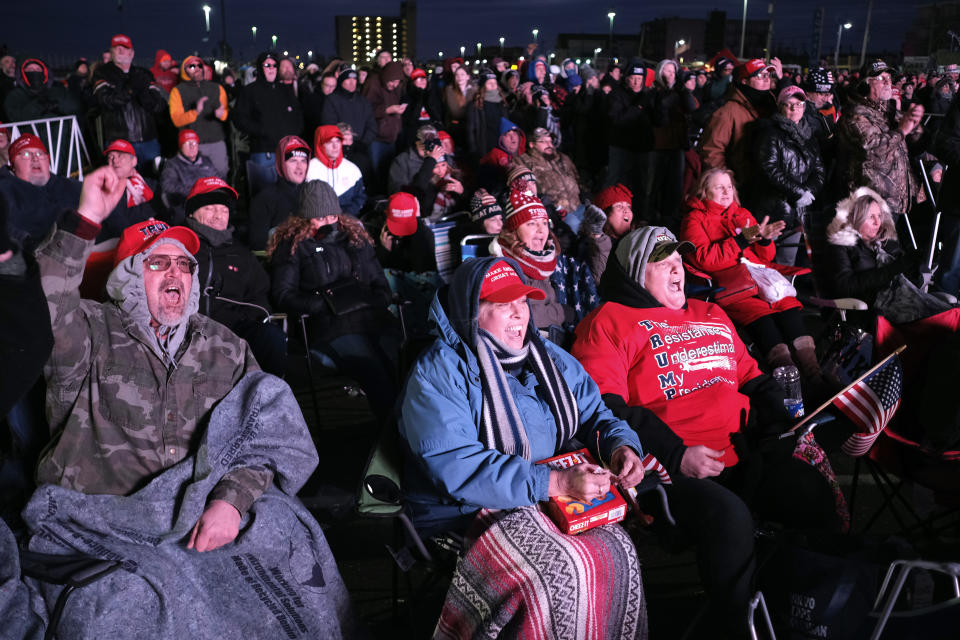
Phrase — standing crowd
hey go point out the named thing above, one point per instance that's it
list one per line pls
(557, 216)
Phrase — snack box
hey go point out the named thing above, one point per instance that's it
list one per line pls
(573, 516)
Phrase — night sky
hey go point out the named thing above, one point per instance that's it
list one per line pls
(63, 29)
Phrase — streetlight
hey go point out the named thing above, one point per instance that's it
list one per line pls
(836, 52)
(254, 31)
(206, 16)
(310, 54)
(743, 28)
(274, 39)
(536, 32)
(462, 50)
(501, 44)
(440, 54)
(596, 52)
(478, 49)
(611, 14)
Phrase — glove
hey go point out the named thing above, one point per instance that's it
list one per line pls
(806, 199)
(593, 219)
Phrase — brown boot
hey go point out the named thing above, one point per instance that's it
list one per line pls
(779, 356)
(805, 353)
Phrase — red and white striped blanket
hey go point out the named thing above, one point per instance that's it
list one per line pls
(523, 578)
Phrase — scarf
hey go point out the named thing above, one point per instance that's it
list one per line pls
(492, 96)
(501, 426)
(138, 191)
(215, 237)
(538, 265)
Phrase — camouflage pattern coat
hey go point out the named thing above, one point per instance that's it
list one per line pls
(118, 414)
(873, 153)
(556, 178)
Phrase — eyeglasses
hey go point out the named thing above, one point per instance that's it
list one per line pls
(27, 154)
(267, 65)
(194, 66)
(762, 74)
(794, 106)
(161, 262)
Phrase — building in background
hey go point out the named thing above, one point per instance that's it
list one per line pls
(360, 37)
(696, 39)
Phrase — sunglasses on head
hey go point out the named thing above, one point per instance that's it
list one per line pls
(161, 262)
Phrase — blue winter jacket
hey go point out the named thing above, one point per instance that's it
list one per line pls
(449, 474)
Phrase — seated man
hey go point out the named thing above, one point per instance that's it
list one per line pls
(677, 372)
(329, 165)
(165, 436)
(234, 288)
(405, 243)
(138, 204)
(181, 172)
(557, 177)
(34, 196)
(278, 201)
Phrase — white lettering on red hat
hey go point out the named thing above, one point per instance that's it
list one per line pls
(662, 237)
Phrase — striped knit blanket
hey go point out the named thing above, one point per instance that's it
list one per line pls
(523, 578)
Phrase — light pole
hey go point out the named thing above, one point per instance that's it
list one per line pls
(274, 39)
(478, 49)
(206, 17)
(836, 52)
(440, 54)
(254, 31)
(462, 50)
(502, 39)
(535, 32)
(611, 14)
(743, 28)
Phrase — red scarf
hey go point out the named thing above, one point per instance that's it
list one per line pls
(538, 265)
(137, 191)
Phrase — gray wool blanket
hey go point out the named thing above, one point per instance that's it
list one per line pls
(277, 580)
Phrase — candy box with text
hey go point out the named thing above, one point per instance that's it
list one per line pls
(574, 516)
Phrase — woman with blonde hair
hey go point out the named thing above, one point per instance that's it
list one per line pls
(724, 234)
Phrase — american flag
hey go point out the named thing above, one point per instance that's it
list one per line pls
(870, 403)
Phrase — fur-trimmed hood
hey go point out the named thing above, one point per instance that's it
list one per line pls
(841, 231)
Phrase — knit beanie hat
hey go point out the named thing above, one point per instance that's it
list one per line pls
(644, 245)
(391, 71)
(317, 200)
(611, 196)
(403, 209)
(519, 172)
(523, 207)
(483, 206)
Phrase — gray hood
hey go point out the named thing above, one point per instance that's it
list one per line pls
(125, 288)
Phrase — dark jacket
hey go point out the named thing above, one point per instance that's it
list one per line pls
(227, 272)
(423, 107)
(35, 100)
(947, 150)
(123, 216)
(355, 110)
(787, 163)
(176, 180)
(483, 126)
(267, 111)
(315, 264)
(32, 210)
(414, 253)
(129, 102)
(632, 119)
(270, 207)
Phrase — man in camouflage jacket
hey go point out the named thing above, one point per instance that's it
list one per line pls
(873, 141)
(555, 172)
(131, 382)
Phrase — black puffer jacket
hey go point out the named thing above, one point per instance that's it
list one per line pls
(352, 108)
(269, 208)
(229, 271)
(947, 149)
(267, 111)
(788, 163)
(319, 261)
(129, 102)
(632, 119)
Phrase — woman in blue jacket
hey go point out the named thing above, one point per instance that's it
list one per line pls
(482, 405)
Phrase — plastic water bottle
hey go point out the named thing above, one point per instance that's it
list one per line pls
(789, 379)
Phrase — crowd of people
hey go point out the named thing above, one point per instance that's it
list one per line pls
(142, 298)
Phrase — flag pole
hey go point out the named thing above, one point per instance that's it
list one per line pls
(793, 430)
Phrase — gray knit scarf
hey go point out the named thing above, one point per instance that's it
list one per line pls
(501, 426)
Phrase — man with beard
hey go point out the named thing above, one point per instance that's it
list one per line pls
(279, 201)
(557, 178)
(33, 195)
(267, 110)
(201, 106)
(130, 100)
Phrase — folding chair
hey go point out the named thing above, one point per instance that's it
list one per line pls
(926, 622)
(471, 245)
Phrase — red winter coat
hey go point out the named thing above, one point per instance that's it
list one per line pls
(685, 365)
(715, 232)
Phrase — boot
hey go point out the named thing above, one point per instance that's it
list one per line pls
(779, 356)
(805, 353)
